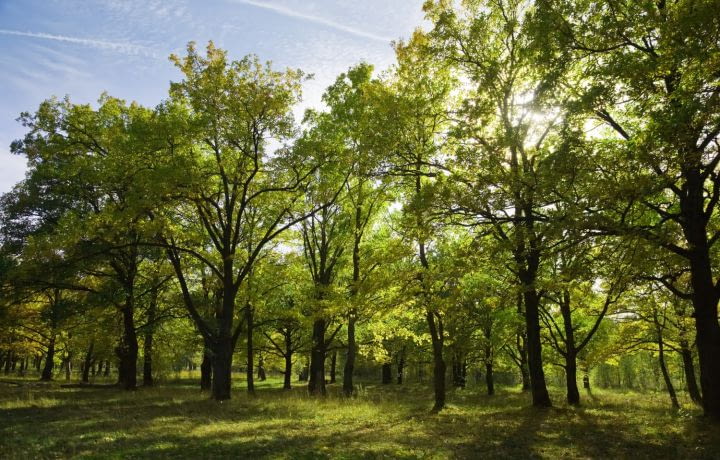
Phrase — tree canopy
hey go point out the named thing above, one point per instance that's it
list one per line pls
(529, 194)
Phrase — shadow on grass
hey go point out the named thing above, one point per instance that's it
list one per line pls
(177, 421)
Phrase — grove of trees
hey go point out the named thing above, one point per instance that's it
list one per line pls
(528, 196)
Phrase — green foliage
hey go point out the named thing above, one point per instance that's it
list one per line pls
(531, 180)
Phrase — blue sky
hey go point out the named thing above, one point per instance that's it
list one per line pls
(81, 48)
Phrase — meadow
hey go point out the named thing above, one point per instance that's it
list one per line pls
(175, 420)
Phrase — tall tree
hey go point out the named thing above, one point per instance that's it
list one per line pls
(324, 236)
(352, 102)
(506, 136)
(234, 196)
(415, 116)
(588, 279)
(648, 72)
(87, 162)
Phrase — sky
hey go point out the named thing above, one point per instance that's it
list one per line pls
(81, 48)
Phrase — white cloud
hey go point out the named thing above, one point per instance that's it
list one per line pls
(314, 19)
(119, 47)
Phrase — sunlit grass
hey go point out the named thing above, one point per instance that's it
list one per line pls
(178, 421)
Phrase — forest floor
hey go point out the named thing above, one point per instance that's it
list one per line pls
(391, 421)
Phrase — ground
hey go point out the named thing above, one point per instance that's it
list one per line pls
(178, 421)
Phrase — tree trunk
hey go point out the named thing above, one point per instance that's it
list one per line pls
(129, 345)
(68, 367)
(220, 339)
(666, 374)
(689, 369)
(287, 378)
(316, 386)
(249, 374)
(222, 369)
(107, 368)
(261, 375)
(464, 371)
(349, 369)
(149, 336)
(705, 295)
(147, 360)
(573, 394)
(461, 372)
(708, 346)
(521, 346)
(456, 372)
(333, 364)
(489, 378)
(436, 329)
(527, 257)
(206, 370)
(401, 366)
(525, 373)
(88, 362)
(125, 266)
(386, 373)
(348, 387)
(9, 359)
(49, 361)
(439, 367)
(540, 395)
(223, 343)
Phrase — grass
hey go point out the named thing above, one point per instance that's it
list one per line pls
(177, 421)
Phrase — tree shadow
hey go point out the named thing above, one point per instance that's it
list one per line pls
(390, 422)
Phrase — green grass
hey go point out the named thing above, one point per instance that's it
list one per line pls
(177, 421)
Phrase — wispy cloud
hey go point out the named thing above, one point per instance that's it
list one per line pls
(118, 47)
(314, 19)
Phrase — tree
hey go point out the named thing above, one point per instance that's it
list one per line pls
(324, 241)
(506, 135)
(349, 127)
(415, 115)
(286, 334)
(488, 296)
(85, 168)
(581, 303)
(646, 71)
(234, 196)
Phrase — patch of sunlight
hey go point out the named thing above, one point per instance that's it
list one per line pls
(167, 420)
(216, 427)
(112, 437)
(597, 412)
(164, 445)
(31, 401)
